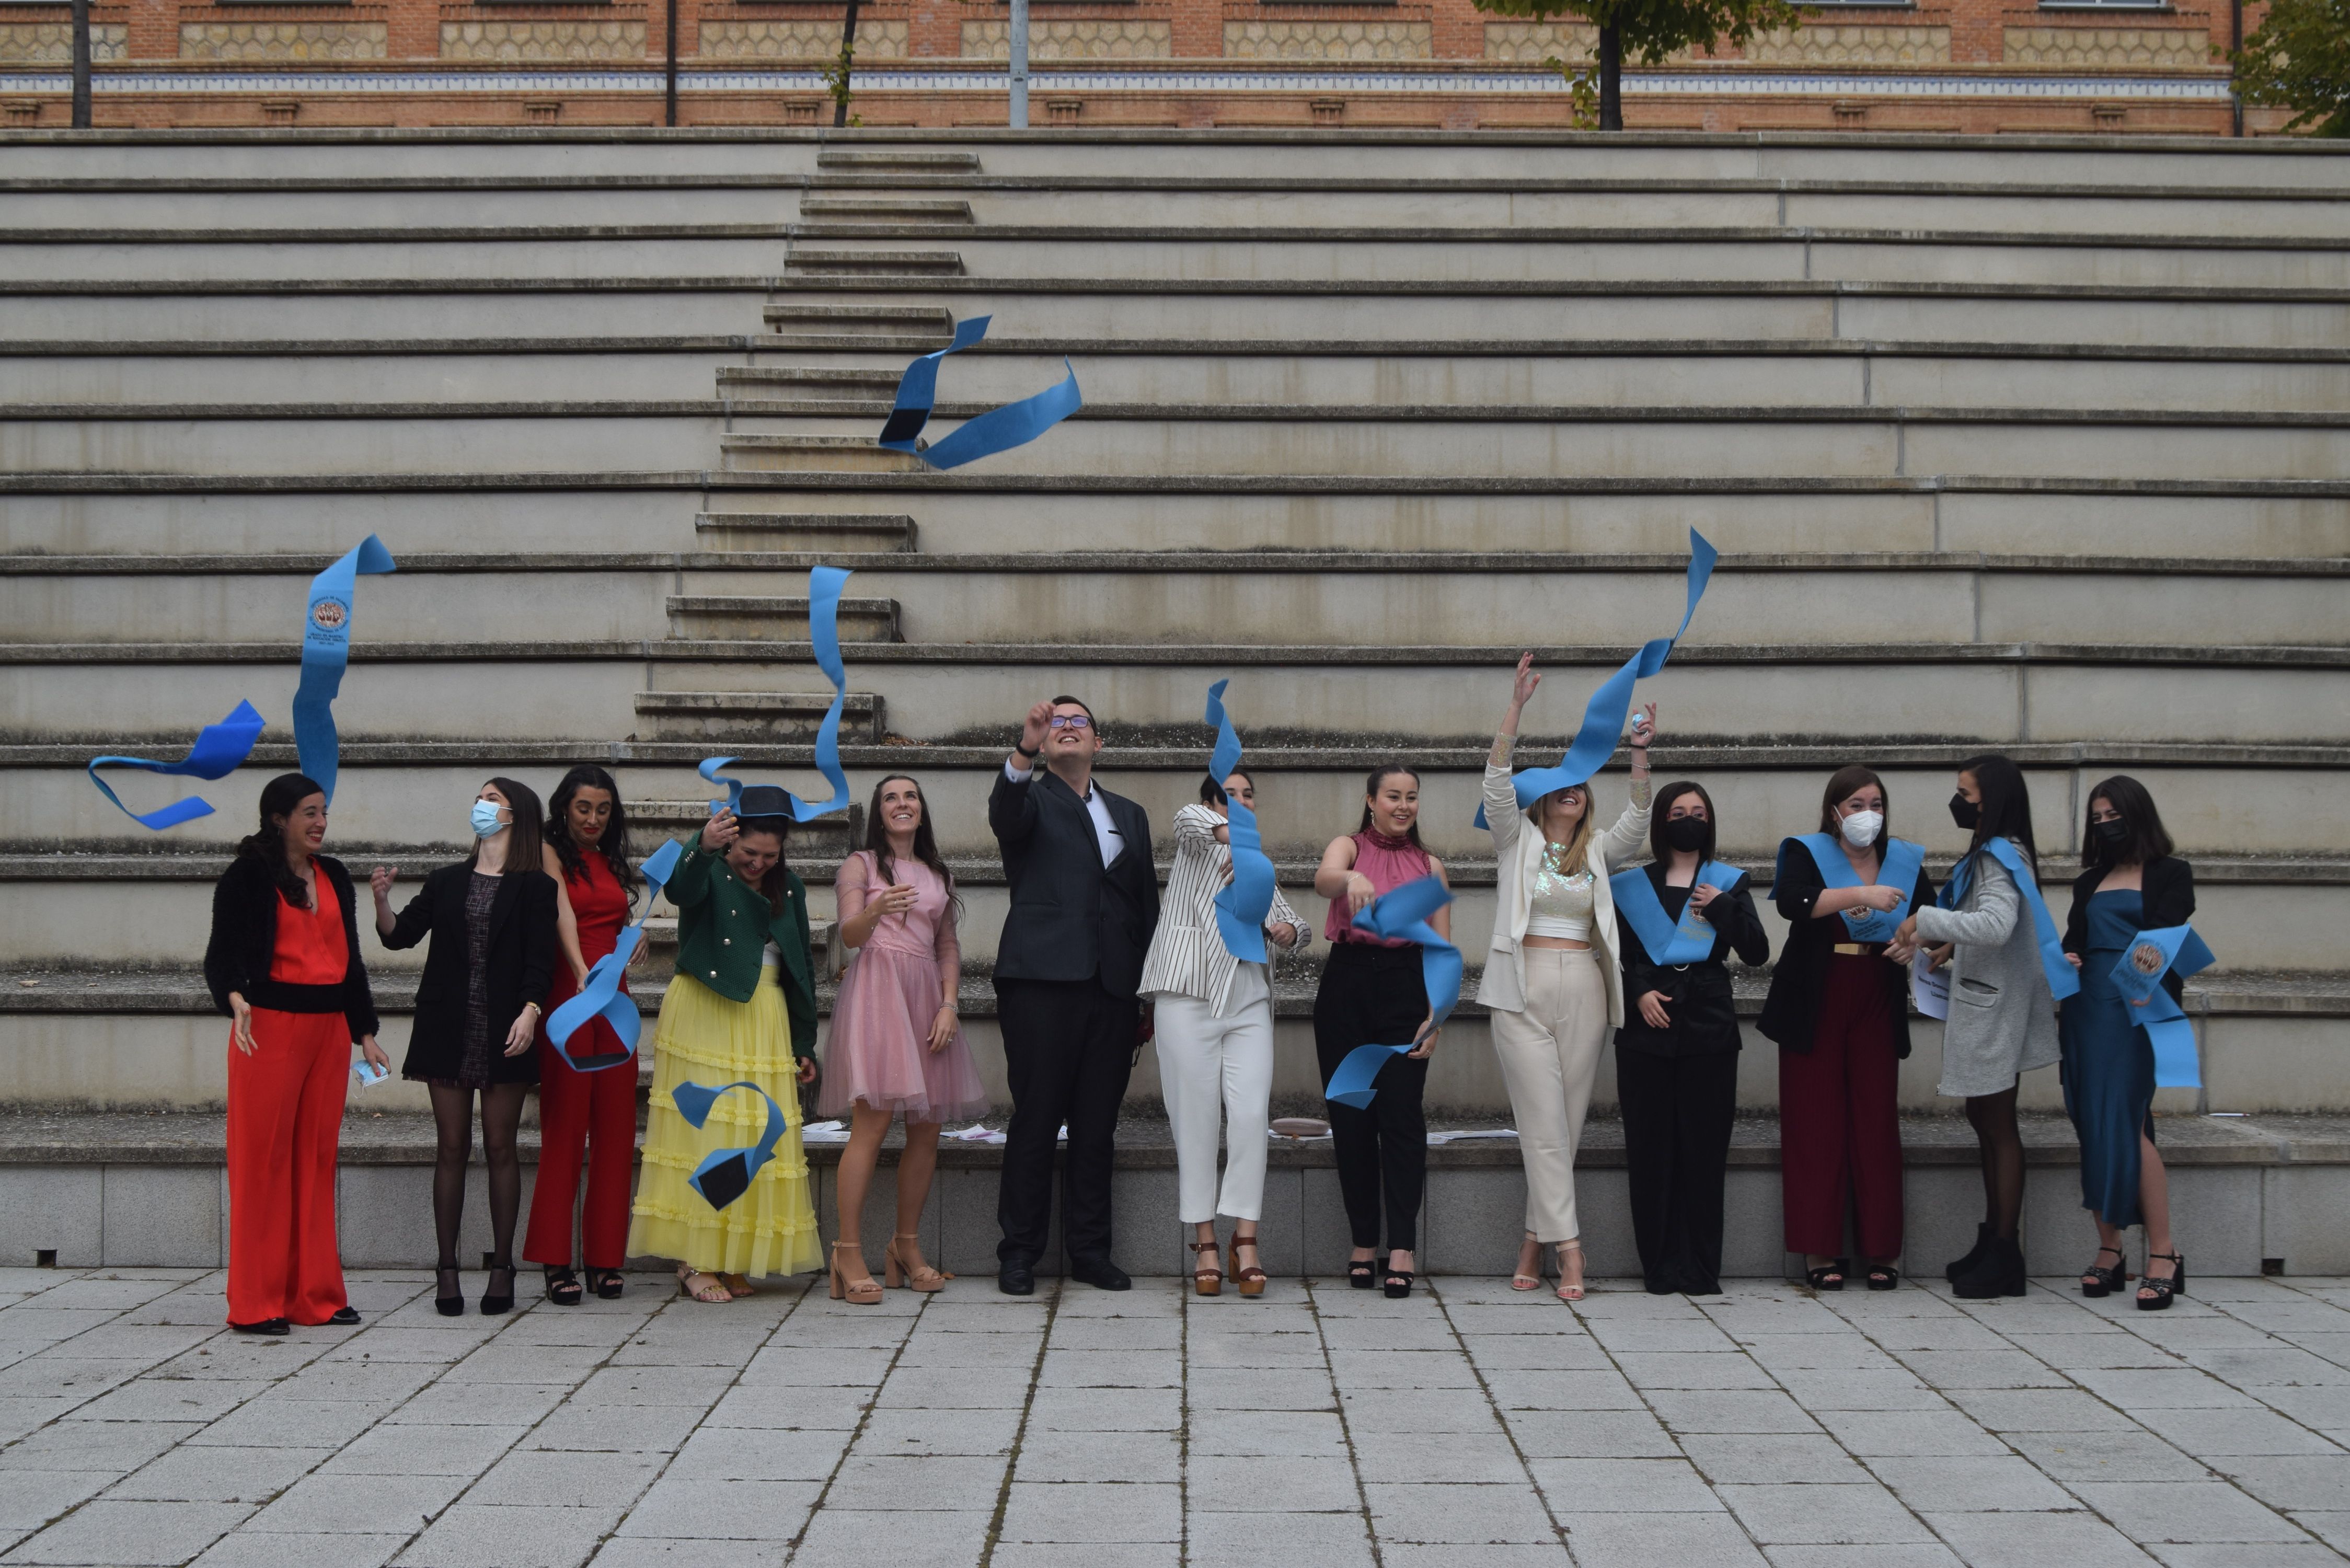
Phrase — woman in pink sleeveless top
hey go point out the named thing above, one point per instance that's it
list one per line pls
(1372, 994)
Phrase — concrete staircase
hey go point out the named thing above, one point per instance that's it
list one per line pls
(2037, 448)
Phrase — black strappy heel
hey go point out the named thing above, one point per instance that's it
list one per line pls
(2099, 1281)
(492, 1301)
(2164, 1289)
(608, 1283)
(563, 1286)
(1397, 1285)
(1362, 1272)
(1828, 1276)
(1883, 1277)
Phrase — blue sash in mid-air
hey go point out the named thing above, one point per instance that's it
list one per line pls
(1401, 915)
(326, 650)
(998, 430)
(724, 1176)
(1670, 945)
(600, 993)
(1897, 870)
(1604, 715)
(2064, 981)
(220, 750)
(1244, 902)
(2138, 977)
(824, 635)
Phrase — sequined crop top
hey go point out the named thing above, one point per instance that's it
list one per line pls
(1561, 904)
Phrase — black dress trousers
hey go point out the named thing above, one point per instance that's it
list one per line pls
(1069, 1048)
(1376, 996)
(1678, 1112)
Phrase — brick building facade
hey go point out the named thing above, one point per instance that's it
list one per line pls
(1936, 66)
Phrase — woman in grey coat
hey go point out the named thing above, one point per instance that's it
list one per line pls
(2002, 1012)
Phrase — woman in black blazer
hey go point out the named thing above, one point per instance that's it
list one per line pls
(284, 964)
(491, 921)
(2133, 883)
(1676, 1055)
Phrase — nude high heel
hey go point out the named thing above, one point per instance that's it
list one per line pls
(895, 1273)
(865, 1291)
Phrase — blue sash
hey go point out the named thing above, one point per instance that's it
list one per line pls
(1899, 872)
(599, 994)
(2138, 977)
(724, 1176)
(825, 584)
(1244, 903)
(1689, 942)
(1402, 912)
(2064, 981)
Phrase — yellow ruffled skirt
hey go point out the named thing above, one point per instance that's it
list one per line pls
(705, 1039)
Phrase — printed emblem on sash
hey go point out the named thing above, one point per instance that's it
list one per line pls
(2146, 959)
(327, 615)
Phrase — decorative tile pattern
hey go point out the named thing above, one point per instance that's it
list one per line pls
(1842, 44)
(1077, 38)
(283, 40)
(797, 38)
(51, 43)
(1313, 40)
(526, 39)
(2134, 47)
(1532, 43)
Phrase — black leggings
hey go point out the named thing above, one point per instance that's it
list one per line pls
(2002, 1142)
(1374, 996)
(452, 1122)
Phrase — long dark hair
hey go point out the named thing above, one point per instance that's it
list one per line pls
(1843, 784)
(266, 843)
(926, 843)
(2144, 838)
(614, 844)
(2006, 808)
(529, 825)
(771, 885)
(1665, 799)
(1212, 790)
(1378, 776)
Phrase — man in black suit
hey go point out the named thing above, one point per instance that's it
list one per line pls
(1084, 901)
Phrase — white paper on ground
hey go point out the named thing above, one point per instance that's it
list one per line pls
(824, 1132)
(1436, 1139)
(1930, 988)
(976, 1133)
(1294, 1137)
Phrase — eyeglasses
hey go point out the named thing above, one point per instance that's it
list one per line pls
(1070, 721)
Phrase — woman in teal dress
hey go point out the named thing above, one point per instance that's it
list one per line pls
(2132, 883)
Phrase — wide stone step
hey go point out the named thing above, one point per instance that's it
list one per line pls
(360, 156)
(860, 260)
(475, 310)
(828, 533)
(721, 250)
(794, 317)
(388, 370)
(884, 210)
(712, 615)
(730, 716)
(438, 207)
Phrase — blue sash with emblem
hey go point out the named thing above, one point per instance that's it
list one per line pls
(2138, 978)
(1670, 945)
(1899, 872)
(2063, 979)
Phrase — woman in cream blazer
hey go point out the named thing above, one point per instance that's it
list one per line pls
(1553, 981)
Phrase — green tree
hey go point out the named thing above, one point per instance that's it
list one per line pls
(1652, 31)
(2299, 59)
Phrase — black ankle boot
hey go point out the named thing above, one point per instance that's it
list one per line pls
(1999, 1273)
(1974, 1256)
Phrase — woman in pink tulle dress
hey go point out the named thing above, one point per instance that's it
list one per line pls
(897, 1047)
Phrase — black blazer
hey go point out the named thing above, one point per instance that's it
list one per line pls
(1791, 1012)
(1071, 918)
(1697, 996)
(2168, 891)
(521, 963)
(245, 943)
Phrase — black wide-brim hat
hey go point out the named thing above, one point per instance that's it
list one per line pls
(764, 800)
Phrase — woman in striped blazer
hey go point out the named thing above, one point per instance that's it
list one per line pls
(1214, 1031)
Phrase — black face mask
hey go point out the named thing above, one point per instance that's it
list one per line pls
(2114, 833)
(1965, 813)
(1686, 834)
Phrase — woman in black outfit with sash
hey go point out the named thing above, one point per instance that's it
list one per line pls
(1676, 1055)
(491, 921)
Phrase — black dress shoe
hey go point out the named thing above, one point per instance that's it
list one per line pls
(344, 1316)
(273, 1326)
(1100, 1273)
(1015, 1278)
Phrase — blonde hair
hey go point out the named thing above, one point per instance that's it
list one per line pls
(1577, 849)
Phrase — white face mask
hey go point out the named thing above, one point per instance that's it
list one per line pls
(1860, 829)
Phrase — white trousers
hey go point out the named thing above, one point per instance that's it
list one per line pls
(1213, 1069)
(1550, 1055)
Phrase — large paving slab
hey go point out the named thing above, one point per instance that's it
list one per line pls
(1768, 1426)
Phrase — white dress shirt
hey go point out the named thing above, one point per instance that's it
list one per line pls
(1104, 831)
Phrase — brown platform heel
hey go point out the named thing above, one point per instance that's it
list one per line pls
(1208, 1280)
(1250, 1280)
(865, 1291)
(894, 1273)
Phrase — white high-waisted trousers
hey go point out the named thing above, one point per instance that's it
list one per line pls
(1216, 1067)
(1550, 1055)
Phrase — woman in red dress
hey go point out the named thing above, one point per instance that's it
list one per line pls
(284, 964)
(588, 1116)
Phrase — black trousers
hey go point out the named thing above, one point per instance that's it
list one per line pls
(1678, 1112)
(1068, 1049)
(1374, 996)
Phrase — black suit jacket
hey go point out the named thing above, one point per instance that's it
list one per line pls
(521, 961)
(1791, 1013)
(1072, 918)
(244, 945)
(2167, 887)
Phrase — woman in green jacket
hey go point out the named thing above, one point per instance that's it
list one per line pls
(741, 1008)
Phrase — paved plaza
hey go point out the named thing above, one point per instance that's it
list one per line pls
(1466, 1427)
